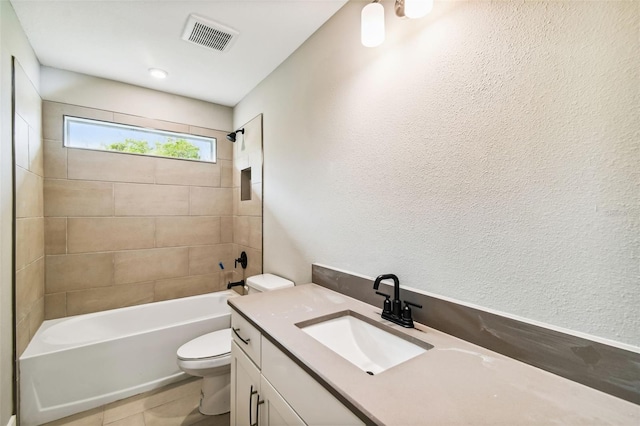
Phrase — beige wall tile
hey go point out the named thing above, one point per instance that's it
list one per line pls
(55, 160)
(36, 151)
(226, 173)
(255, 162)
(29, 241)
(149, 123)
(251, 207)
(109, 234)
(239, 164)
(254, 260)
(255, 232)
(78, 271)
(226, 229)
(55, 235)
(55, 305)
(52, 113)
(29, 287)
(147, 265)
(241, 230)
(36, 316)
(27, 100)
(206, 259)
(21, 142)
(186, 286)
(187, 231)
(29, 199)
(150, 200)
(104, 298)
(210, 133)
(23, 336)
(210, 201)
(236, 201)
(224, 148)
(185, 172)
(109, 166)
(77, 198)
(137, 404)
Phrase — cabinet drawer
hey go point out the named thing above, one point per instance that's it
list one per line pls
(246, 336)
(313, 403)
(275, 410)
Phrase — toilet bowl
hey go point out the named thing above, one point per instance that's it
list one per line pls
(209, 356)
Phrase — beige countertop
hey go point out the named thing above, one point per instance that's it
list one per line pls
(455, 382)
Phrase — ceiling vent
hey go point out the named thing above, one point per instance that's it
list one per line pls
(209, 34)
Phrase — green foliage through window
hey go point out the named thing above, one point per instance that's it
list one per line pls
(178, 148)
(105, 136)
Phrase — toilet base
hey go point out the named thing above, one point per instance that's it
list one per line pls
(215, 395)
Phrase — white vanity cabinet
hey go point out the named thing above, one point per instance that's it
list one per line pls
(254, 401)
(269, 389)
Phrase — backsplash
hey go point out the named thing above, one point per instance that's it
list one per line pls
(124, 229)
(610, 369)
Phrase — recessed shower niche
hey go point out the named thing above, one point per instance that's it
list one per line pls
(245, 184)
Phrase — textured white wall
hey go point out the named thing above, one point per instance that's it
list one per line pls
(489, 153)
(94, 92)
(13, 43)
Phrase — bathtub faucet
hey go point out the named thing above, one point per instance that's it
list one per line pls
(237, 283)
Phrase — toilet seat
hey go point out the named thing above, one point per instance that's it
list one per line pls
(207, 351)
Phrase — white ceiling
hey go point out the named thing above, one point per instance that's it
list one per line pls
(121, 39)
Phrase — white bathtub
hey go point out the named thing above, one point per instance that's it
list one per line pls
(77, 363)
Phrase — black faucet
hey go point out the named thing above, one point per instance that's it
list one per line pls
(237, 283)
(393, 311)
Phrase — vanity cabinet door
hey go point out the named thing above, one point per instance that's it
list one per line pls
(275, 411)
(245, 388)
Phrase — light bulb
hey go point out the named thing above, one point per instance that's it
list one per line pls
(372, 25)
(417, 8)
(158, 73)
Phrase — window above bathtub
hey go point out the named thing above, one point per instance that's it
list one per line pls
(105, 136)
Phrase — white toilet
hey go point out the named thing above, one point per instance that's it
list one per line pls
(209, 356)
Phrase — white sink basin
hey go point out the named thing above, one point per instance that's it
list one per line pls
(366, 346)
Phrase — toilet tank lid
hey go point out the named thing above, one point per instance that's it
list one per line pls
(209, 345)
(268, 282)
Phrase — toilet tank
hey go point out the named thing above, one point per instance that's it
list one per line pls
(266, 282)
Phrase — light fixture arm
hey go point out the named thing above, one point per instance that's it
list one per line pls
(399, 8)
(372, 27)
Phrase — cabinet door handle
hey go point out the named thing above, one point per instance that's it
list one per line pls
(235, 330)
(259, 403)
(251, 393)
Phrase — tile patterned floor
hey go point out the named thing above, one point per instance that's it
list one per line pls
(172, 405)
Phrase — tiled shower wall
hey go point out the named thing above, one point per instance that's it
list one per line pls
(29, 253)
(247, 215)
(124, 229)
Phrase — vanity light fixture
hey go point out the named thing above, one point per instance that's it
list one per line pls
(417, 8)
(372, 24)
(372, 18)
(158, 73)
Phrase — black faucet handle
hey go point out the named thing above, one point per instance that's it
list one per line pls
(406, 313)
(386, 307)
(415, 305)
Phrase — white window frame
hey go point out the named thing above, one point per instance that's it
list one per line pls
(67, 143)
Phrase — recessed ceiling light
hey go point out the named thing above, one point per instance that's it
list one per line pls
(158, 73)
